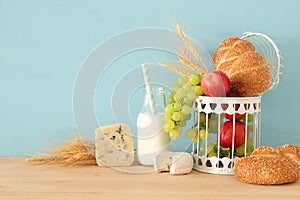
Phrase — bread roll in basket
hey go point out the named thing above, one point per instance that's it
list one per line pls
(251, 73)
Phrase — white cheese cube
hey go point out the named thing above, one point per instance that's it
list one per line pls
(174, 162)
(163, 161)
(114, 146)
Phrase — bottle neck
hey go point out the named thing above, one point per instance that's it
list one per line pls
(155, 100)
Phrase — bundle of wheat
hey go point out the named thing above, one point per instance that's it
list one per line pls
(79, 152)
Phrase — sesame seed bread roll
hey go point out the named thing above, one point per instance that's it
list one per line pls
(266, 166)
(247, 70)
(290, 151)
(257, 81)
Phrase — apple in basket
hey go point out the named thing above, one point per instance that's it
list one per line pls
(237, 128)
(215, 84)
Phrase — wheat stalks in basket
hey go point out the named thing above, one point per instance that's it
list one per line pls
(175, 69)
(191, 48)
(187, 60)
(77, 153)
(187, 57)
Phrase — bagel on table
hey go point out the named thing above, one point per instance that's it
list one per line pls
(268, 166)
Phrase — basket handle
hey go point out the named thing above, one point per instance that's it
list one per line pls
(277, 65)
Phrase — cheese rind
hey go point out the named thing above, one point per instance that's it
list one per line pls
(182, 163)
(174, 162)
(114, 146)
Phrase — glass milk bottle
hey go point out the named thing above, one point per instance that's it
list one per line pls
(151, 139)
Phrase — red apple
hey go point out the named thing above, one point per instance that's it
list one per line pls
(215, 84)
(226, 134)
(237, 106)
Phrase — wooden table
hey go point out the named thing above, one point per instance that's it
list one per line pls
(19, 180)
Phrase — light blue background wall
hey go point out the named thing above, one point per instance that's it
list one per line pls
(44, 42)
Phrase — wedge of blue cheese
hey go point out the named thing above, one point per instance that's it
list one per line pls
(114, 147)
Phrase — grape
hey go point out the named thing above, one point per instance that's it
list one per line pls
(224, 152)
(187, 87)
(179, 128)
(198, 90)
(174, 134)
(191, 133)
(213, 123)
(169, 126)
(202, 134)
(183, 123)
(186, 109)
(175, 87)
(181, 93)
(189, 116)
(182, 80)
(185, 117)
(177, 98)
(239, 151)
(212, 154)
(195, 139)
(210, 147)
(213, 126)
(181, 100)
(176, 116)
(188, 102)
(182, 116)
(191, 95)
(166, 129)
(249, 140)
(202, 149)
(250, 146)
(213, 150)
(202, 120)
(250, 128)
(194, 79)
(167, 117)
(250, 118)
(169, 109)
(171, 98)
(177, 106)
(249, 149)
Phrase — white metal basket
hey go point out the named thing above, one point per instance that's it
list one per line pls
(208, 152)
(214, 109)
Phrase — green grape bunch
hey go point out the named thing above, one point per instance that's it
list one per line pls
(180, 102)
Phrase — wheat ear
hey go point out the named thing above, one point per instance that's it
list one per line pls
(175, 69)
(186, 59)
(191, 47)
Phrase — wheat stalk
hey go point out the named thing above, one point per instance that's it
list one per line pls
(187, 62)
(41, 160)
(186, 59)
(175, 69)
(76, 153)
(191, 47)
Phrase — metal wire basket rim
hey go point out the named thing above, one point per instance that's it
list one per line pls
(228, 99)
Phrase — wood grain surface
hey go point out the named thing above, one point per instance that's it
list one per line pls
(19, 180)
